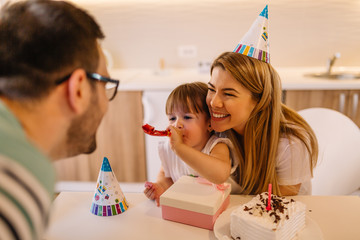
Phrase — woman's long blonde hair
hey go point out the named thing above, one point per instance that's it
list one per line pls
(269, 120)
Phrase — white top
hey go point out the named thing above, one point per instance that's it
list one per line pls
(293, 164)
(174, 167)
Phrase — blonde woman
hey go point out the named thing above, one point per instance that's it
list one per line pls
(273, 143)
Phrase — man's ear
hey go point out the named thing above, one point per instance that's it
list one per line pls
(78, 91)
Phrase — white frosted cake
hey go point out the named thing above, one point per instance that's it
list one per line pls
(252, 221)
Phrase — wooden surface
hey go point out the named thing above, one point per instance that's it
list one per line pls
(120, 138)
(302, 99)
(354, 110)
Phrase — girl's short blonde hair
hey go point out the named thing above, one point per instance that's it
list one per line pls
(189, 97)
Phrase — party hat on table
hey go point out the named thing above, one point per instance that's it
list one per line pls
(255, 43)
(108, 199)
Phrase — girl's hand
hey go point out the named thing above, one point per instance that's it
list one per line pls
(153, 191)
(176, 137)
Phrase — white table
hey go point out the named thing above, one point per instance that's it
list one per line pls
(337, 216)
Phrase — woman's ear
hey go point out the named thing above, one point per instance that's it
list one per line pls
(78, 91)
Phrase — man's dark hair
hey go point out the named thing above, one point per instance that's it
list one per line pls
(43, 41)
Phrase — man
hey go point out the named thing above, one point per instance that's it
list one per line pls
(54, 90)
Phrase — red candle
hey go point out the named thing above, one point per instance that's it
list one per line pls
(268, 207)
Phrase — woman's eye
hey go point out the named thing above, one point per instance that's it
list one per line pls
(229, 94)
(211, 90)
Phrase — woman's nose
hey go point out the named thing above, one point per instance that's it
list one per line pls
(215, 101)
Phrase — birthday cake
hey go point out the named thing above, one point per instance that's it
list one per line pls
(283, 221)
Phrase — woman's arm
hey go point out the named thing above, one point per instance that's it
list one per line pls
(214, 167)
(289, 190)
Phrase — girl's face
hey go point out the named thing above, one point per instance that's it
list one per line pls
(194, 127)
(230, 103)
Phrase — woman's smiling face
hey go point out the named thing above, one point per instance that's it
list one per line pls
(230, 103)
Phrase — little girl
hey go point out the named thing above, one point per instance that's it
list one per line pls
(192, 148)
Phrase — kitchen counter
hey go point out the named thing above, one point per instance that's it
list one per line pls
(292, 78)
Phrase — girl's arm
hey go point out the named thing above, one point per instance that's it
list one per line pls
(165, 182)
(153, 191)
(214, 167)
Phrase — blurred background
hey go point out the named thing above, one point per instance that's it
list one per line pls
(139, 33)
(154, 45)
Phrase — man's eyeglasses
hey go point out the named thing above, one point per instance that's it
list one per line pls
(111, 85)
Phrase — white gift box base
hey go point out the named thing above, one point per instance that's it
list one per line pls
(190, 202)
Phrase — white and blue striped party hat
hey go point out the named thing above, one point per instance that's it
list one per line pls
(108, 198)
(255, 43)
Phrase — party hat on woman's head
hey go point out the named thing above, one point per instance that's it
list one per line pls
(108, 199)
(255, 43)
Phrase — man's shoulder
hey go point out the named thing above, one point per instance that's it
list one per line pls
(17, 149)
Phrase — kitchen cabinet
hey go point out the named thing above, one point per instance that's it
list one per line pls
(354, 107)
(120, 138)
(344, 101)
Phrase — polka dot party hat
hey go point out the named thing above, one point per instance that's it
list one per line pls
(255, 43)
(108, 198)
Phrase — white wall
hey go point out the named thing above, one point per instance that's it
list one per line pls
(302, 33)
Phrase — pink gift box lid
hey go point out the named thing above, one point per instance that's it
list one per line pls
(188, 194)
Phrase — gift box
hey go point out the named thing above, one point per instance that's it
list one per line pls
(195, 201)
